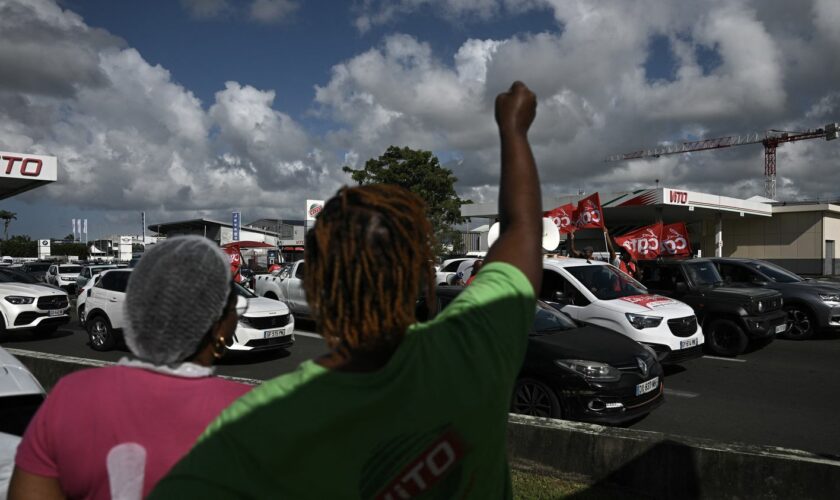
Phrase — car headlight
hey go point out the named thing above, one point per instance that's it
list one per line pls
(760, 306)
(18, 300)
(830, 297)
(590, 370)
(641, 321)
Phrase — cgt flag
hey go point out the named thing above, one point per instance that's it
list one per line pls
(644, 243)
(562, 217)
(588, 214)
(674, 240)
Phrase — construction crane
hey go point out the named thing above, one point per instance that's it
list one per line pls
(770, 139)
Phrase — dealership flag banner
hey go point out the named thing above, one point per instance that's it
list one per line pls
(562, 217)
(643, 244)
(674, 240)
(73, 223)
(588, 214)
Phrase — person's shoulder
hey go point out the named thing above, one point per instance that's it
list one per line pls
(229, 386)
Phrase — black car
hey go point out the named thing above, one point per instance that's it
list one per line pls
(731, 315)
(36, 269)
(811, 305)
(581, 372)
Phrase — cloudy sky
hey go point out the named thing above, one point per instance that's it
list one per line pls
(195, 107)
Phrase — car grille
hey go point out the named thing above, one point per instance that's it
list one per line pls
(284, 341)
(683, 327)
(266, 322)
(53, 302)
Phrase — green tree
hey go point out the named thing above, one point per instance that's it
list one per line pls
(421, 173)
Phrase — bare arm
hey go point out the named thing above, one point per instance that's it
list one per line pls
(520, 202)
(572, 251)
(25, 485)
(610, 245)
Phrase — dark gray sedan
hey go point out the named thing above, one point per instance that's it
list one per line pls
(812, 305)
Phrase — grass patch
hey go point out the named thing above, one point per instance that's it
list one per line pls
(529, 486)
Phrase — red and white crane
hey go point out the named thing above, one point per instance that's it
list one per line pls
(770, 139)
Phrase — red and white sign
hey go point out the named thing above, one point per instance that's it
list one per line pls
(235, 259)
(649, 301)
(644, 243)
(677, 197)
(674, 240)
(26, 166)
(426, 470)
(313, 208)
(562, 218)
(588, 214)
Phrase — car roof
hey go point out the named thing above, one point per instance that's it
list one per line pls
(15, 379)
(674, 261)
(572, 262)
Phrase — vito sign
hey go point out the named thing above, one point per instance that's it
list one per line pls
(27, 166)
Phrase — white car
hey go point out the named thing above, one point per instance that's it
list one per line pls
(267, 324)
(81, 298)
(450, 267)
(31, 305)
(63, 276)
(20, 397)
(88, 272)
(598, 293)
(286, 286)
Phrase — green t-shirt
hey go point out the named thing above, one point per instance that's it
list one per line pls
(430, 424)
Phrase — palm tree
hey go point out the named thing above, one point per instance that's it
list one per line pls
(7, 217)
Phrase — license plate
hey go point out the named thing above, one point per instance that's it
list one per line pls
(685, 344)
(270, 334)
(781, 328)
(56, 312)
(646, 387)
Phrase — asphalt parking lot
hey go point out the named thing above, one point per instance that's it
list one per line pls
(783, 394)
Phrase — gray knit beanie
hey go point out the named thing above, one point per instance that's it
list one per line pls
(177, 291)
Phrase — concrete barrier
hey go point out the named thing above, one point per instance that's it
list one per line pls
(642, 463)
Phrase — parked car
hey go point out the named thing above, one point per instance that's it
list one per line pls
(581, 372)
(266, 324)
(63, 276)
(82, 295)
(37, 270)
(450, 267)
(30, 305)
(89, 271)
(811, 305)
(287, 286)
(20, 397)
(597, 293)
(730, 315)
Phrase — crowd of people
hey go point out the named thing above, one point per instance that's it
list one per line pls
(394, 409)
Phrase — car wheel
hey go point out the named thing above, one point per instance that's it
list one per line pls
(100, 334)
(532, 397)
(726, 338)
(800, 323)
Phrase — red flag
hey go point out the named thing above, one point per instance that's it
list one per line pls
(235, 259)
(588, 214)
(643, 244)
(562, 217)
(674, 240)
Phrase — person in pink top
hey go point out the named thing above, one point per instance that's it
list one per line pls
(114, 432)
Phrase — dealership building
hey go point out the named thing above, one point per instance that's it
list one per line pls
(800, 236)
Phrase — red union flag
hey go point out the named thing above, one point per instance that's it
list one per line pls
(235, 259)
(674, 240)
(644, 243)
(588, 214)
(562, 217)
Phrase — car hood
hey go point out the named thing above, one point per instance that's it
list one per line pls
(591, 343)
(29, 289)
(735, 292)
(650, 304)
(261, 306)
(825, 287)
(15, 379)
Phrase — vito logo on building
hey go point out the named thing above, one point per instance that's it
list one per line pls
(678, 197)
(26, 166)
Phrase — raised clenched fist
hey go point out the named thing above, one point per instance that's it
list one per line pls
(515, 109)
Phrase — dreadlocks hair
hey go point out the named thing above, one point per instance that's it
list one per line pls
(367, 259)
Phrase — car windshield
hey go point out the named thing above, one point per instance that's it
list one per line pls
(37, 267)
(776, 273)
(13, 276)
(241, 290)
(96, 270)
(703, 273)
(70, 269)
(550, 320)
(606, 282)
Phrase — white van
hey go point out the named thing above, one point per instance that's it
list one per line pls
(598, 293)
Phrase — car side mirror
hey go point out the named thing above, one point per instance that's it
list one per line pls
(681, 287)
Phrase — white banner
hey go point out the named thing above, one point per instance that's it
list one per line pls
(73, 223)
(313, 208)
